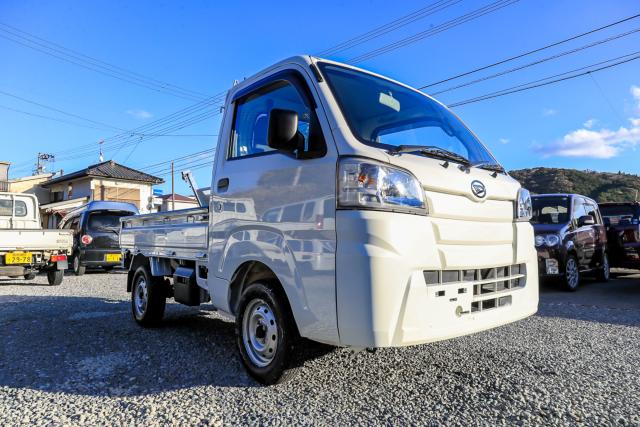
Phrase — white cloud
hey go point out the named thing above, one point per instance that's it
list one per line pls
(504, 141)
(599, 144)
(549, 112)
(140, 114)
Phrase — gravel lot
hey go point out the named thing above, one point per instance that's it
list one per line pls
(73, 355)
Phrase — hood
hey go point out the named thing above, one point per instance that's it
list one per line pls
(456, 181)
(549, 228)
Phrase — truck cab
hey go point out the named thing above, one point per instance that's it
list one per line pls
(373, 218)
(622, 221)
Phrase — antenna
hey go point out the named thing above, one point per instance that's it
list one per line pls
(100, 145)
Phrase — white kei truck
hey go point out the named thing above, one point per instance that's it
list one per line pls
(26, 248)
(345, 208)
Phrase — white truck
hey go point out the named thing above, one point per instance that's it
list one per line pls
(345, 208)
(26, 248)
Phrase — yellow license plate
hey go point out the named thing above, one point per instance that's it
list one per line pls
(112, 257)
(18, 258)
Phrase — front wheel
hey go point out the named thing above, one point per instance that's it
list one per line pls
(604, 272)
(148, 298)
(266, 334)
(54, 277)
(571, 274)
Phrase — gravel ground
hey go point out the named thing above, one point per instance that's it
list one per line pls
(73, 355)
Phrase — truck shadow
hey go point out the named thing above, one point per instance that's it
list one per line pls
(92, 346)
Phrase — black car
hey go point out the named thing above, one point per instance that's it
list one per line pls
(622, 221)
(96, 227)
(570, 238)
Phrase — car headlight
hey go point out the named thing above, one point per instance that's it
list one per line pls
(524, 209)
(364, 183)
(547, 240)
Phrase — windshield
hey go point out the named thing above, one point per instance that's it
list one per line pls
(380, 112)
(550, 210)
(618, 213)
(106, 220)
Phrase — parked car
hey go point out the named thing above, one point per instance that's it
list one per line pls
(347, 234)
(622, 221)
(95, 227)
(25, 248)
(570, 238)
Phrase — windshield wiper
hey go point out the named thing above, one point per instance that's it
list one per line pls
(430, 150)
(488, 165)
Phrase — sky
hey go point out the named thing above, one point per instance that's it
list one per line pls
(194, 50)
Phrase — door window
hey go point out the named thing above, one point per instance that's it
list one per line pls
(592, 210)
(579, 209)
(249, 136)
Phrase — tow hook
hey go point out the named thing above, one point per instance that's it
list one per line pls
(460, 311)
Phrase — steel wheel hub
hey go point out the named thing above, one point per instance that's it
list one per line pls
(572, 273)
(260, 332)
(140, 297)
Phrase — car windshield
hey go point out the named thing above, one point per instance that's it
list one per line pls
(618, 213)
(550, 210)
(383, 113)
(106, 220)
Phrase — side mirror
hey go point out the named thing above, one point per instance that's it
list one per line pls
(283, 130)
(585, 220)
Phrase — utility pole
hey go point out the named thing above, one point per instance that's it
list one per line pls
(173, 193)
(41, 160)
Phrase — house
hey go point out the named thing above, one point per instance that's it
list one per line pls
(180, 201)
(103, 181)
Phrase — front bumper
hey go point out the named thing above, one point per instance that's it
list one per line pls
(553, 253)
(383, 299)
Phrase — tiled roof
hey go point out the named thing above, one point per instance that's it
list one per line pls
(108, 169)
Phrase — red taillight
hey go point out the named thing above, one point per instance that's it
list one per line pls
(56, 258)
(86, 239)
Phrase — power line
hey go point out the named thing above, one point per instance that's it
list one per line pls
(490, 8)
(540, 61)
(546, 81)
(390, 26)
(48, 47)
(60, 111)
(522, 55)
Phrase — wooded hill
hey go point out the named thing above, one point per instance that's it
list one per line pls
(600, 186)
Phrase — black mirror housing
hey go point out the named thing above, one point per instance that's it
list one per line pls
(283, 130)
(586, 220)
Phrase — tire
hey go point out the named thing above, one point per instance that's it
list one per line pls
(30, 276)
(571, 274)
(266, 334)
(603, 274)
(54, 277)
(78, 269)
(148, 298)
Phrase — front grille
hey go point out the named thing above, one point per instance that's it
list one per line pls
(488, 283)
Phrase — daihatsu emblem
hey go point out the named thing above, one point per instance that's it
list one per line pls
(478, 189)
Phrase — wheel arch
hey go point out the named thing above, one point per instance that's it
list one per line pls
(137, 261)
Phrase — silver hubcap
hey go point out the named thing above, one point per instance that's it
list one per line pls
(572, 273)
(76, 263)
(605, 267)
(140, 296)
(260, 332)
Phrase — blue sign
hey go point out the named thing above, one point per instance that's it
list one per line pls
(158, 192)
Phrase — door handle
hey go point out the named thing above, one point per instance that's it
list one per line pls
(223, 184)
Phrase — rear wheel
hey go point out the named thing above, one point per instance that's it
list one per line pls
(604, 272)
(571, 274)
(78, 269)
(148, 298)
(266, 334)
(54, 277)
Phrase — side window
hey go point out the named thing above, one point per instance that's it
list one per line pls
(592, 210)
(251, 122)
(20, 208)
(6, 207)
(579, 209)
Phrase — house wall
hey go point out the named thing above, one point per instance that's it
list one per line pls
(31, 185)
(166, 205)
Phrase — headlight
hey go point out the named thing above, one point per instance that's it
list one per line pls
(524, 209)
(547, 239)
(364, 183)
